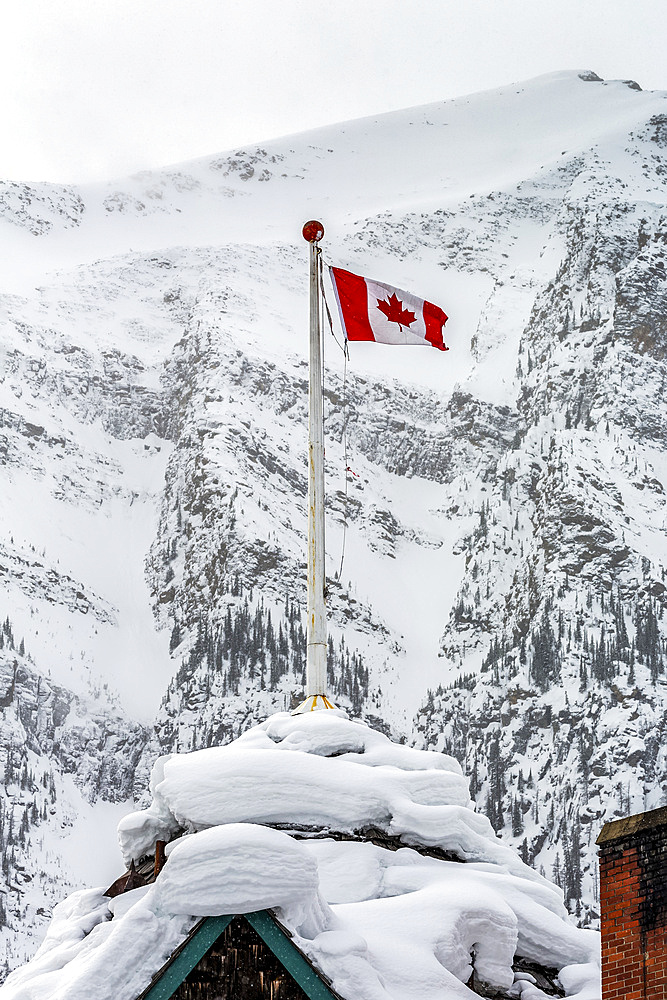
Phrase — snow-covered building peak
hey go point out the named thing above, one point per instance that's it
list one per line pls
(316, 775)
(367, 852)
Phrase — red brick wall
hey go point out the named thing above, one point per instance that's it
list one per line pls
(633, 905)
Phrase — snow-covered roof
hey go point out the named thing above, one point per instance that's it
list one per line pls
(382, 924)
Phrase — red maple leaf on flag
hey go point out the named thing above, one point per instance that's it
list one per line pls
(394, 311)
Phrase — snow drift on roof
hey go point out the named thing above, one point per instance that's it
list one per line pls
(381, 924)
(318, 772)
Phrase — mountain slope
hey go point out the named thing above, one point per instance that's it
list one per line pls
(501, 592)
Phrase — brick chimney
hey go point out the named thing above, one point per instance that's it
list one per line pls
(633, 907)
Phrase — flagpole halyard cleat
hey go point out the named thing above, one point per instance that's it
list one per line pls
(317, 648)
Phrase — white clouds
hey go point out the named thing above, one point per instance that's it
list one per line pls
(93, 89)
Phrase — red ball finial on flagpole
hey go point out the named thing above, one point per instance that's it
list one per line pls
(313, 231)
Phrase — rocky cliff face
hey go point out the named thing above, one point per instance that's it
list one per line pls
(563, 596)
(496, 515)
(61, 754)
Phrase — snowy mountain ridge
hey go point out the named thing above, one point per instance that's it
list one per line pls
(502, 590)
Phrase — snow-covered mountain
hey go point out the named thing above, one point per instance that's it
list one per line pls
(498, 592)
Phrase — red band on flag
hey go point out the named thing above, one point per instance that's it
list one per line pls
(353, 304)
(434, 321)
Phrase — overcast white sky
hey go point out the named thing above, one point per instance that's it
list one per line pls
(100, 88)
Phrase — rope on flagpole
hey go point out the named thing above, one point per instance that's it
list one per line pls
(345, 463)
(323, 305)
(346, 355)
(326, 306)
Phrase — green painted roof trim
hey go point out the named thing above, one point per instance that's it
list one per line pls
(207, 933)
(184, 961)
(289, 956)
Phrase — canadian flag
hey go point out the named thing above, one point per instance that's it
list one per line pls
(371, 310)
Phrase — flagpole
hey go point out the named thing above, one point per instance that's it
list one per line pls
(316, 658)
